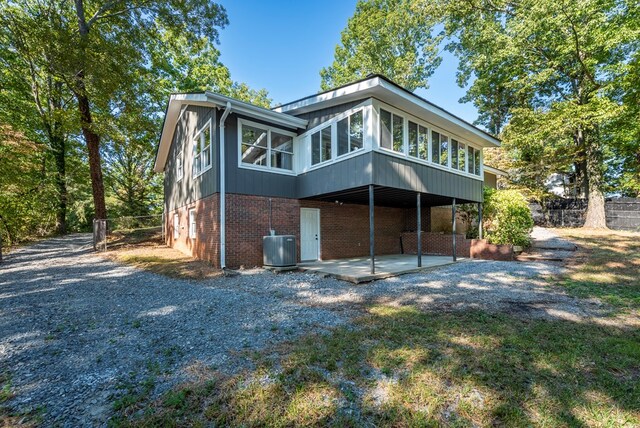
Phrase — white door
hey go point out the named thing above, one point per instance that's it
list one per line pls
(309, 234)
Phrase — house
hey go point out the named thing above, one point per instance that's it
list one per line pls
(350, 172)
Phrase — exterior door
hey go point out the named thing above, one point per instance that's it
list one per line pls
(309, 234)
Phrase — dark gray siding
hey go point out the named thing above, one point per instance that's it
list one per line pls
(250, 181)
(188, 190)
(404, 174)
(346, 174)
(317, 117)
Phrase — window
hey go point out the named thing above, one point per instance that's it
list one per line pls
(444, 150)
(266, 147)
(179, 168)
(413, 139)
(391, 131)
(176, 226)
(454, 154)
(476, 162)
(462, 157)
(423, 143)
(435, 146)
(350, 133)
(202, 150)
(321, 146)
(192, 224)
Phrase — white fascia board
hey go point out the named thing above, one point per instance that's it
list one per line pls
(484, 139)
(211, 99)
(256, 112)
(341, 93)
(174, 107)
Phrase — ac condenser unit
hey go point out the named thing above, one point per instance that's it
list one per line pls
(279, 250)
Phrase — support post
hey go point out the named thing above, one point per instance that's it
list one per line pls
(479, 220)
(371, 232)
(453, 227)
(419, 229)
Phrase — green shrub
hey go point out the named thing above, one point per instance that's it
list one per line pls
(507, 217)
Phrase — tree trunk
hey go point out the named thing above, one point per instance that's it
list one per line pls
(93, 148)
(595, 217)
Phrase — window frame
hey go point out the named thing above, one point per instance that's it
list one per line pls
(176, 226)
(268, 166)
(403, 126)
(179, 166)
(196, 140)
(192, 224)
(348, 119)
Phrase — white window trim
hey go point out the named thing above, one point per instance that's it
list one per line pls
(193, 224)
(196, 140)
(180, 163)
(176, 226)
(269, 129)
(377, 105)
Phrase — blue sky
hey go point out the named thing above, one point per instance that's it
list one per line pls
(282, 46)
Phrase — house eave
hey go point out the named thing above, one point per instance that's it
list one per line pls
(212, 99)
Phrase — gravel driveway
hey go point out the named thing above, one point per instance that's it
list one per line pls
(77, 329)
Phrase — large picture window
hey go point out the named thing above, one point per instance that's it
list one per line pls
(444, 150)
(202, 150)
(267, 147)
(462, 157)
(435, 145)
(350, 133)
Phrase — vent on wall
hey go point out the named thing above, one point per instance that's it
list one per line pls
(279, 250)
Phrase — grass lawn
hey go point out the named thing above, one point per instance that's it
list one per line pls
(403, 367)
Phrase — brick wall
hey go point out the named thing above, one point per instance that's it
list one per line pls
(206, 244)
(436, 243)
(344, 229)
(248, 222)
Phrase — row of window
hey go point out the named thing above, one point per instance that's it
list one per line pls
(192, 225)
(444, 150)
(264, 146)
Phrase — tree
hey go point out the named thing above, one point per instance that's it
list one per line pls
(389, 37)
(555, 64)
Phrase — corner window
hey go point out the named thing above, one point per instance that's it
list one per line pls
(202, 150)
(179, 167)
(176, 226)
(350, 133)
(391, 131)
(321, 146)
(265, 146)
(192, 223)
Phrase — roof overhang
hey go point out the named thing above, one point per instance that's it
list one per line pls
(386, 91)
(214, 100)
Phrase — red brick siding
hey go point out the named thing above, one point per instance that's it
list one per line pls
(206, 245)
(344, 229)
(248, 222)
(436, 243)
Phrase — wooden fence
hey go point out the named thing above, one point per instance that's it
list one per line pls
(621, 213)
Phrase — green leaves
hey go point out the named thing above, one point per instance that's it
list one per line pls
(507, 217)
(391, 37)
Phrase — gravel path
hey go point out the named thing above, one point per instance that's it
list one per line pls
(76, 329)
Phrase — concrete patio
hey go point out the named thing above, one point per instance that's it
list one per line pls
(358, 269)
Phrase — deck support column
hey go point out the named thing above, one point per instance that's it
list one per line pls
(371, 232)
(453, 226)
(419, 229)
(479, 220)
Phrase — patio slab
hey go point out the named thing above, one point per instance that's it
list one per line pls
(358, 269)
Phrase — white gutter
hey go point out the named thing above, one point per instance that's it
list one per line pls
(223, 216)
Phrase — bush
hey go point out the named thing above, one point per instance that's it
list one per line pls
(507, 217)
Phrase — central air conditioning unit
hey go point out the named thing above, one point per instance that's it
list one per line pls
(279, 251)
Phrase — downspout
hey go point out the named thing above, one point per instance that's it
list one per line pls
(223, 214)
